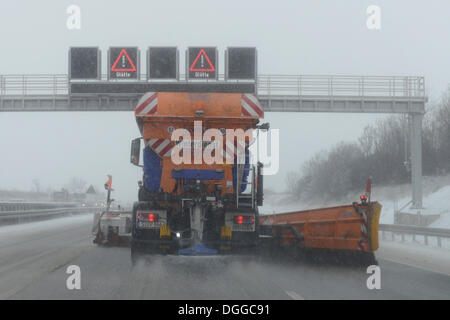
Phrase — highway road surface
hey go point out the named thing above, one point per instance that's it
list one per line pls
(34, 258)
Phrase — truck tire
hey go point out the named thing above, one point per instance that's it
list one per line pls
(134, 251)
(133, 221)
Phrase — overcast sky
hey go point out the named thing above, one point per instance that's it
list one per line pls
(292, 37)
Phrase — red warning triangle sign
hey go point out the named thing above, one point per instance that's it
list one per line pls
(123, 62)
(202, 63)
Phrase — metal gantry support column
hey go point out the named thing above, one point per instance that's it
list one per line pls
(415, 138)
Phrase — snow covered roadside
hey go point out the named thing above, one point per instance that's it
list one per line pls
(435, 201)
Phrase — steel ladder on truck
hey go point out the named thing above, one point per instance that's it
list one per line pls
(242, 199)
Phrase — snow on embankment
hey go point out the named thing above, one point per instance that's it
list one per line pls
(436, 200)
(440, 202)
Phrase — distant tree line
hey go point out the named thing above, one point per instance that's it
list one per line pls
(379, 152)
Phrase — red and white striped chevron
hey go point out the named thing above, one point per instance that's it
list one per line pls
(251, 106)
(147, 104)
(163, 147)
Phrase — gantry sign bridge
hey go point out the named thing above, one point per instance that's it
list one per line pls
(85, 88)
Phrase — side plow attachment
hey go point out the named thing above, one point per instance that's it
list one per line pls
(347, 233)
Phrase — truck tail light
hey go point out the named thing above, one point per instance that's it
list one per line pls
(363, 199)
(244, 219)
(150, 217)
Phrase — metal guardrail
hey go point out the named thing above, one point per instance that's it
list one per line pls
(34, 84)
(22, 206)
(297, 85)
(335, 85)
(415, 231)
(16, 217)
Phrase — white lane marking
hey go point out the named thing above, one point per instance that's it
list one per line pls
(9, 293)
(414, 266)
(30, 259)
(294, 295)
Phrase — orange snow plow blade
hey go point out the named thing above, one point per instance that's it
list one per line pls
(347, 228)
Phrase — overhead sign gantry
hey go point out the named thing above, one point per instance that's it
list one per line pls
(85, 90)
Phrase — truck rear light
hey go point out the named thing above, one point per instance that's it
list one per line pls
(363, 199)
(244, 219)
(150, 217)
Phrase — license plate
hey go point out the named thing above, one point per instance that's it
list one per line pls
(148, 225)
(243, 227)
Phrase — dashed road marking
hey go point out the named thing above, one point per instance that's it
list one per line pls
(294, 295)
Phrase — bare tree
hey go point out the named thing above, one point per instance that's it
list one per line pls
(36, 185)
(367, 141)
(76, 185)
(381, 152)
(292, 179)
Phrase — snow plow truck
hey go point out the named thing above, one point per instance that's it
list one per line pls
(188, 204)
